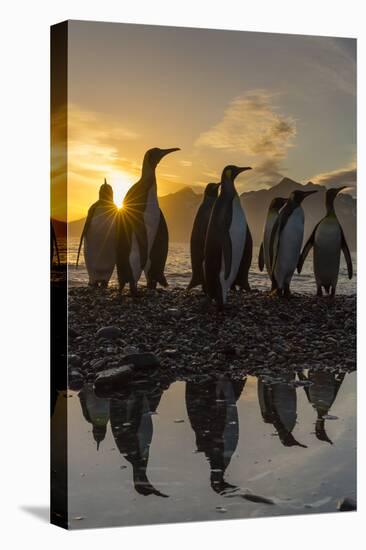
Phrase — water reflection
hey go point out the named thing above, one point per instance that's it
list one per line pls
(278, 404)
(321, 394)
(212, 408)
(95, 411)
(132, 428)
(214, 418)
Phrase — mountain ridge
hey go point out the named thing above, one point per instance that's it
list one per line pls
(180, 208)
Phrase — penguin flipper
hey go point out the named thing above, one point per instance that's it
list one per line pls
(54, 244)
(347, 255)
(273, 244)
(246, 261)
(276, 233)
(261, 258)
(85, 228)
(305, 251)
(159, 254)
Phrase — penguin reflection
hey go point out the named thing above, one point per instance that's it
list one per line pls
(321, 395)
(95, 411)
(132, 429)
(213, 415)
(278, 404)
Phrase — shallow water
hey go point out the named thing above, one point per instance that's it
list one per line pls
(178, 271)
(206, 451)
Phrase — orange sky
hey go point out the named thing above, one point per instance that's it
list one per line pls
(283, 104)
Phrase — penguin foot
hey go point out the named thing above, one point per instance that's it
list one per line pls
(274, 293)
(93, 285)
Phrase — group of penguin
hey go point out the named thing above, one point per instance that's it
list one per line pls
(135, 238)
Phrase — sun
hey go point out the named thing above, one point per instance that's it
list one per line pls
(120, 182)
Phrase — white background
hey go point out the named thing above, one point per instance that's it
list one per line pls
(24, 291)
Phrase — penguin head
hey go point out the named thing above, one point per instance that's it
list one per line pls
(277, 203)
(212, 190)
(331, 193)
(99, 434)
(230, 172)
(320, 432)
(154, 156)
(106, 192)
(298, 196)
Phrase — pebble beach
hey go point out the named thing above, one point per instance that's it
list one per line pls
(186, 338)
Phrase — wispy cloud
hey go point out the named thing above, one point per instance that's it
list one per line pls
(253, 126)
(346, 175)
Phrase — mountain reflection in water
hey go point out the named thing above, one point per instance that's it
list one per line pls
(212, 425)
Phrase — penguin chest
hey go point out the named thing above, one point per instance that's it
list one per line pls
(289, 247)
(237, 235)
(151, 220)
(327, 251)
(100, 245)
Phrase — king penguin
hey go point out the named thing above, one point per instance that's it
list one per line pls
(272, 215)
(199, 231)
(328, 240)
(143, 234)
(286, 240)
(99, 236)
(226, 239)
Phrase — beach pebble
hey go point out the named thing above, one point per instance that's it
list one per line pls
(142, 360)
(74, 360)
(171, 352)
(109, 333)
(110, 378)
(347, 505)
(75, 379)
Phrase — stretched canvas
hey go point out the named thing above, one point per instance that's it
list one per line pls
(203, 274)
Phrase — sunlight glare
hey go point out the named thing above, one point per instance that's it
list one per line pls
(120, 182)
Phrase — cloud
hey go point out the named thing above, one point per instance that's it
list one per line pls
(252, 125)
(335, 178)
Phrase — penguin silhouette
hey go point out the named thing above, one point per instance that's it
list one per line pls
(198, 236)
(213, 415)
(321, 395)
(228, 241)
(328, 240)
(273, 212)
(132, 428)
(54, 246)
(99, 236)
(143, 238)
(95, 411)
(278, 405)
(285, 242)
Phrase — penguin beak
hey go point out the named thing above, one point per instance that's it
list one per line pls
(165, 152)
(241, 169)
(340, 189)
(307, 193)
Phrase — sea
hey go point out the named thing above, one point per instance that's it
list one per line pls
(178, 271)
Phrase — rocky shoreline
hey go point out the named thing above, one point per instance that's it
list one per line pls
(186, 338)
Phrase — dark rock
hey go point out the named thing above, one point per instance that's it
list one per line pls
(170, 352)
(74, 360)
(347, 505)
(109, 333)
(75, 379)
(110, 378)
(142, 360)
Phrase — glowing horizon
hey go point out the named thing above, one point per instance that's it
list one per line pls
(289, 110)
